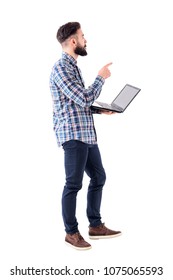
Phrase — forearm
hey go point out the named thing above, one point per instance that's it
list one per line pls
(75, 91)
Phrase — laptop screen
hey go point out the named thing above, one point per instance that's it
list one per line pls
(125, 96)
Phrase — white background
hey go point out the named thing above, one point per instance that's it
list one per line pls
(136, 146)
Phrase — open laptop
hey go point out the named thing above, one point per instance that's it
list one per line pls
(121, 101)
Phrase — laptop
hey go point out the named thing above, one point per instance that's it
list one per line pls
(121, 101)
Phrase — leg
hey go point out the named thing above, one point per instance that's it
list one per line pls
(95, 171)
(76, 154)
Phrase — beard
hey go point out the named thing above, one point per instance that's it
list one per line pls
(80, 50)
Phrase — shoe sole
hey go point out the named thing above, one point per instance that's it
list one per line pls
(78, 248)
(104, 236)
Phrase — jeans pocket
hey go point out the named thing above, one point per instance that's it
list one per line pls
(69, 144)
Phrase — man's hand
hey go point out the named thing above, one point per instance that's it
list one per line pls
(105, 72)
(107, 112)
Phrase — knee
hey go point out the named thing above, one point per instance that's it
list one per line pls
(99, 179)
(73, 186)
(103, 178)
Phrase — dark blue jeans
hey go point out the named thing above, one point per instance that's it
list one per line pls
(79, 158)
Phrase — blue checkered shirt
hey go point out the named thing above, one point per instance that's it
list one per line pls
(72, 113)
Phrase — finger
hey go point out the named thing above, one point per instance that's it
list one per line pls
(107, 65)
(106, 112)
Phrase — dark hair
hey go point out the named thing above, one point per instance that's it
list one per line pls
(66, 30)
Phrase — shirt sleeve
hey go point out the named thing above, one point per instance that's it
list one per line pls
(72, 88)
(95, 111)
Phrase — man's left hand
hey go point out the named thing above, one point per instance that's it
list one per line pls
(107, 112)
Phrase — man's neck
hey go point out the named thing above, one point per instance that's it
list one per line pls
(70, 52)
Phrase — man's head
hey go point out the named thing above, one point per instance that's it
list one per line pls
(71, 37)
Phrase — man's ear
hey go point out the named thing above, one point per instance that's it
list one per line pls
(73, 41)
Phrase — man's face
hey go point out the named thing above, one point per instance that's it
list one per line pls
(81, 44)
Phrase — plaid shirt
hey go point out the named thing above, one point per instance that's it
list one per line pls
(72, 113)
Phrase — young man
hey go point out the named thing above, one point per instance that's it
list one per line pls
(74, 129)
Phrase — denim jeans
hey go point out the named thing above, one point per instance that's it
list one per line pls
(80, 157)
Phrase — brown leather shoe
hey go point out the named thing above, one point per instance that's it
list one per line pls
(77, 241)
(101, 232)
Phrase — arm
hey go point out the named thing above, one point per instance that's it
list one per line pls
(71, 87)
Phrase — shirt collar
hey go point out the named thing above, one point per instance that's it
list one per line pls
(69, 58)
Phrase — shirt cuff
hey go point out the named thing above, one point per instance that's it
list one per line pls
(95, 111)
(100, 79)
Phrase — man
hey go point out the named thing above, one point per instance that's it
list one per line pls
(74, 129)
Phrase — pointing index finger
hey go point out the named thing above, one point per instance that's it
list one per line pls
(109, 64)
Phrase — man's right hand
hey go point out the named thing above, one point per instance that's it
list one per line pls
(105, 72)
